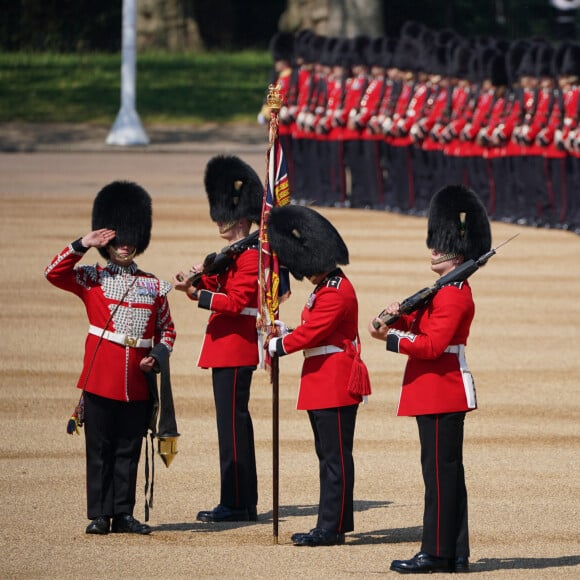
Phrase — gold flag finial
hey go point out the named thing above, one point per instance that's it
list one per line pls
(274, 98)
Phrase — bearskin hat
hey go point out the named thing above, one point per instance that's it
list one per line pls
(544, 61)
(302, 44)
(327, 49)
(571, 61)
(408, 55)
(125, 207)
(305, 241)
(234, 190)
(375, 50)
(359, 47)
(342, 53)
(458, 223)
(498, 71)
(282, 46)
(515, 55)
(459, 62)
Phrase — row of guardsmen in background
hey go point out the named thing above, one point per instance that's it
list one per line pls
(382, 123)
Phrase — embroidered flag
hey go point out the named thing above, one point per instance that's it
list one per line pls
(274, 283)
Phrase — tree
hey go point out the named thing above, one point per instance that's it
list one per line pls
(334, 17)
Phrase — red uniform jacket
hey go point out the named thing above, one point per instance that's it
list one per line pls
(369, 108)
(231, 338)
(307, 80)
(329, 318)
(492, 129)
(570, 123)
(479, 121)
(355, 90)
(433, 381)
(546, 135)
(403, 102)
(402, 124)
(114, 372)
(328, 122)
(535, 115)
(434, 120)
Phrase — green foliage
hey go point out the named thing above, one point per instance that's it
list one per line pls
(193, 88)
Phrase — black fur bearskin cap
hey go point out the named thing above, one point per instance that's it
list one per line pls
(458, 223)
(125, 207)
(234, 190)
(305, 241)
(282, 46)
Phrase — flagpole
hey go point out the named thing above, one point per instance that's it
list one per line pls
(274, 103)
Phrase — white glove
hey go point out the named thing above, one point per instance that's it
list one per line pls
(261, 119)
(283, 328)
(272, 345)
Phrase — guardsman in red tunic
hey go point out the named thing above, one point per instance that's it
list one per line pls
(130, 330)
(334, 379)
(471, 103)
(351, 133)
(230, 346)
(330, 124)
(490, 139)
(438, 389)
(427, 129)
(320, 174)
(307, 47)
(569, 138)
(529, 164)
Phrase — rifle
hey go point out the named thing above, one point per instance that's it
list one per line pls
(219, 262)
(422, 297)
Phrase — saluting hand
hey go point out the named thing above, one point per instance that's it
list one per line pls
(98, 238)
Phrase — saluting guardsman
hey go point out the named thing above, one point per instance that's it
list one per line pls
(438, 388)
(334, 378)
(230, 346)
(130, 331)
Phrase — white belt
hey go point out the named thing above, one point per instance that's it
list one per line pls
(249, 311)
(319, 350)
(454, 348)
(468, 384)
(122, 339)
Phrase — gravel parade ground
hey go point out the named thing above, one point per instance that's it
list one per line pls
(521, 446)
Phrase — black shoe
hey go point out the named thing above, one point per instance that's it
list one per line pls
(422, 563)
(221, 513)
(461, 565)
(318, 537)
(252, 514)
(127, 524)
(99, 526)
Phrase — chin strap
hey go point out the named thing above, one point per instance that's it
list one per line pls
(444, 258)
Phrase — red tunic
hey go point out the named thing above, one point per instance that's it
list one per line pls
(143, 314)
(370, 104)
(355, 90)
(433, 381)
(434, 121)
(305, 91)
(329, 318)
(231, 338)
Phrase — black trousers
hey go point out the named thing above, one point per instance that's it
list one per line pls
(445, 529)
(403, 177)
(333, 441)
(238, 476)
(114, 432)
